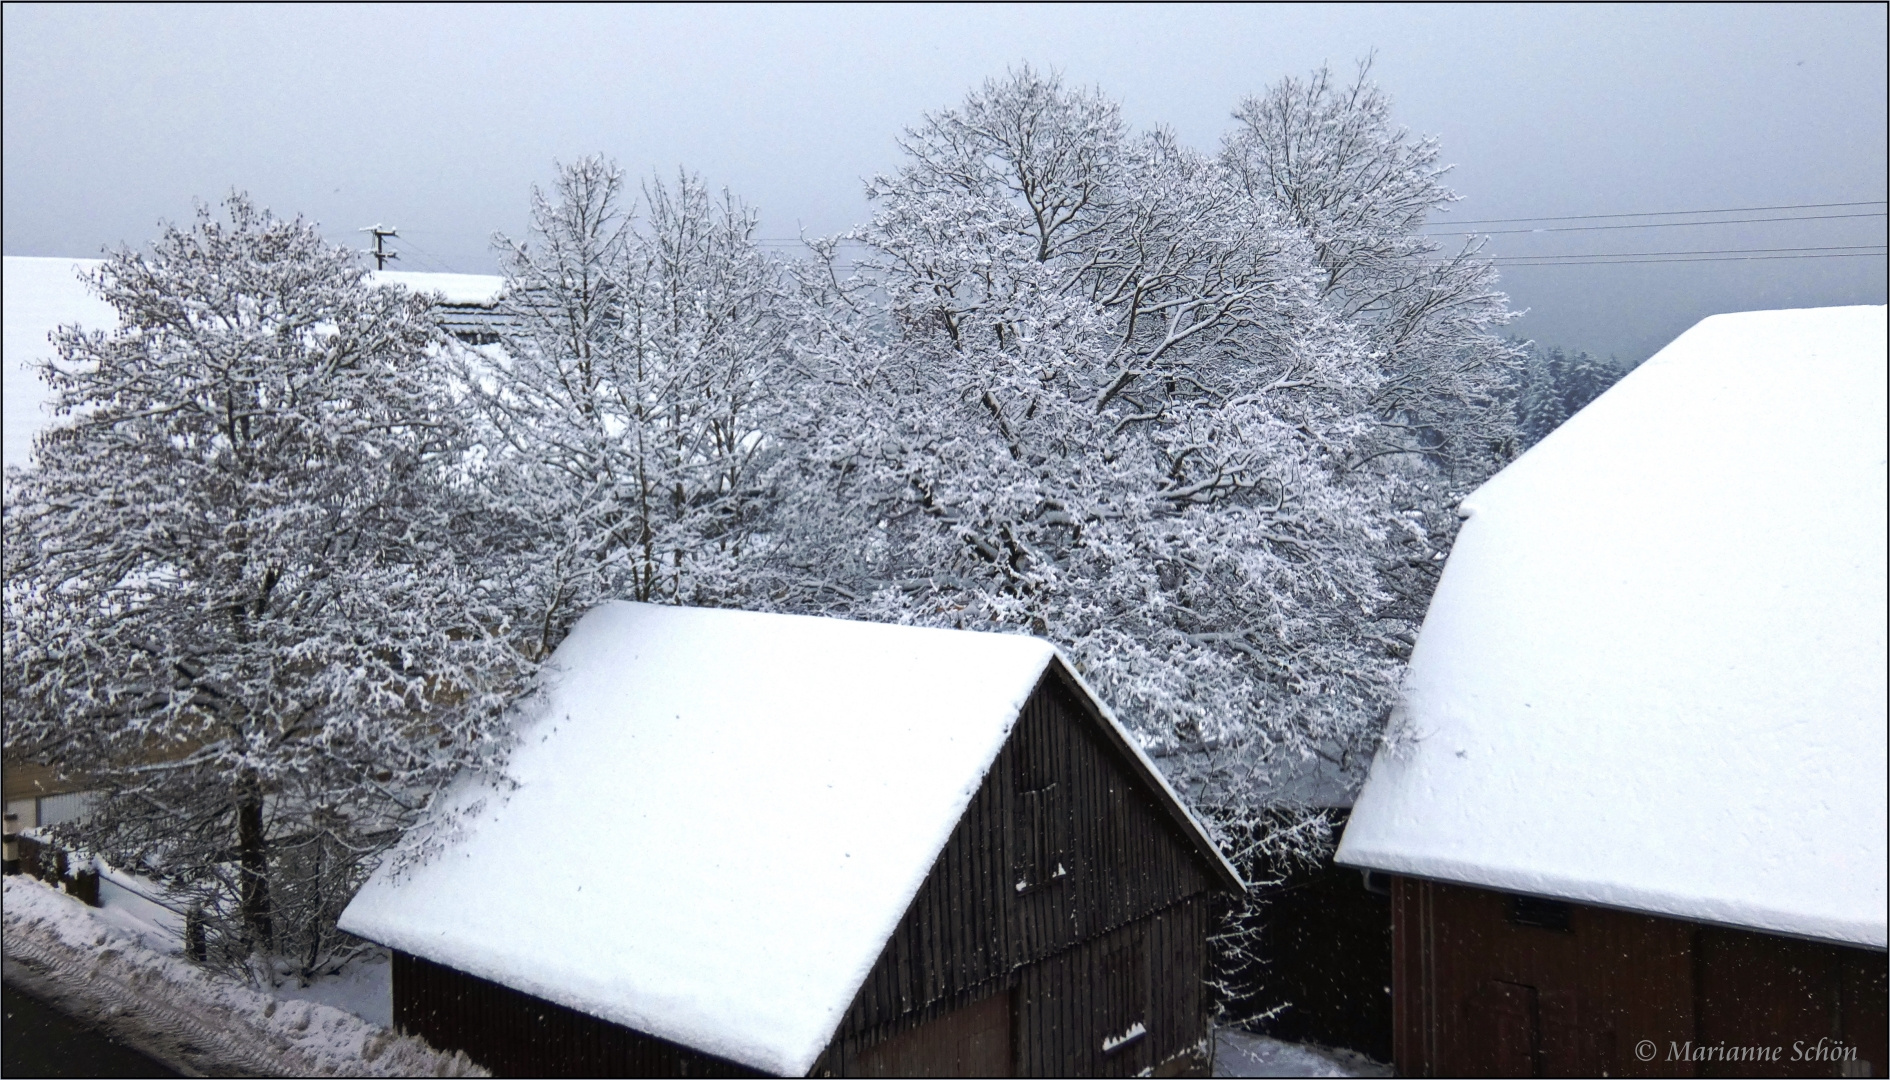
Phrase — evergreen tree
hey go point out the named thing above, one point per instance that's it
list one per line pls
(1556, 385)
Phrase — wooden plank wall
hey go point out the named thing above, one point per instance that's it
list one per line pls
(1478, 994)
(1756, 988)
(1068, 1004)
(971, 932)
(515, 1034)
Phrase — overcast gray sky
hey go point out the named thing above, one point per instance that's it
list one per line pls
(438, 120)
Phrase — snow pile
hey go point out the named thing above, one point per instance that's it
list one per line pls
(185, 1015)
(138, 905)
(364, 987)
(1653, 674)
(1242, 1053)
(719, 818)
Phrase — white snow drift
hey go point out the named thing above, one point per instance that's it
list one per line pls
(1652, 676)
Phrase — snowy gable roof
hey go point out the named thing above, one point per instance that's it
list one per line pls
(1652, 675)
(479, 290)
(42, 294)
(720, 818)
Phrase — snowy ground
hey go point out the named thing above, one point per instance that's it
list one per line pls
(122, 973)
(136, 905)
(364, 988)
(1242, 1053)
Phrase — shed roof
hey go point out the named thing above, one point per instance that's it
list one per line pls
(719, 819)
(1652, 675)
(480, 290)
(43, 294)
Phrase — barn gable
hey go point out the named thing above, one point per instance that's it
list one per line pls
(721, 819)
(1067, 908)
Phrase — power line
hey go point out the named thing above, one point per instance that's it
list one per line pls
(1702, 259)
(1865, 248)
(1451, 225)
(429, 257)
(842, 241)
(1657, 213)
(1582, 259)
(1675, 224)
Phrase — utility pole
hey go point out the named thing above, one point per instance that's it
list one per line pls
(381, 235)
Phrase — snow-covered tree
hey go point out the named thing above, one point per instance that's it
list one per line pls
(626, 404)
(1085, 386)
(1196, 419)
(1556, 385)
(237, 596)
(1362, 190)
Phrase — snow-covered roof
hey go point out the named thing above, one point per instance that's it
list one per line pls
(1652, 676)
(719, 819)
(480, 289)
(41, 295)
(44, 294)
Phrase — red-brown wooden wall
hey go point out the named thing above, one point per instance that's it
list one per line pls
(1479, 993)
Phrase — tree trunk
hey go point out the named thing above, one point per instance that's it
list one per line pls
(253, 856)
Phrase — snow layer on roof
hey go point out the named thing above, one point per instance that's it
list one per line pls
(482, 289)
(1652, 676)
(719, 819)
(41, 295)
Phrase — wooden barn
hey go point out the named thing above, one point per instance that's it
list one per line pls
(737, 843)
(1633, 804)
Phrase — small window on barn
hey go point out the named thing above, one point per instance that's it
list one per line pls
(1040, 820)
(1039, 838)
(1539, 913)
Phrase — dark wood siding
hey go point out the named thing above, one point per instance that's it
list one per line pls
(1488, 984)
(973, 1039)
(1149, 972)
(1760, 989)
(972, 932)
(515, 1034)
(1327, 943)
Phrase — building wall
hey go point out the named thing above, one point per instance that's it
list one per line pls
(37, 795)
(1124, 1004)
(1326, 940)
(1486, 984)
(1058, 798)
(515, 1034)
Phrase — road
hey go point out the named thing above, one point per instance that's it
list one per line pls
(39, 1040)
